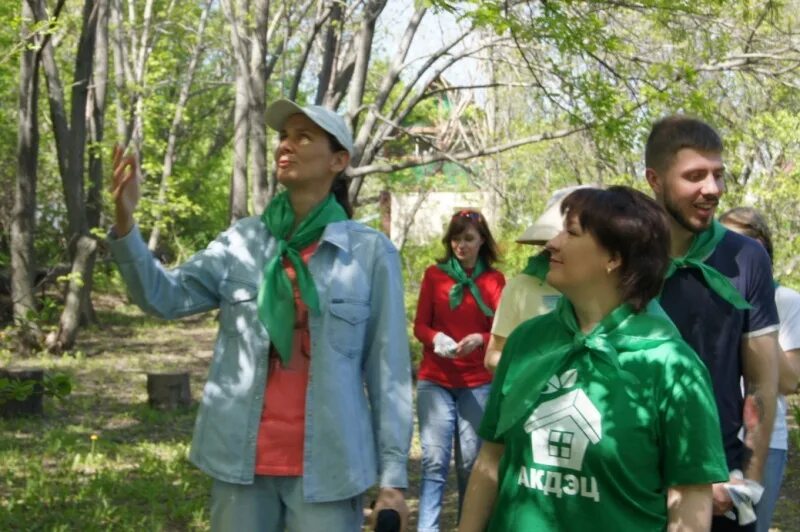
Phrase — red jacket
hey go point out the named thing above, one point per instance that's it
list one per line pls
(434, 315)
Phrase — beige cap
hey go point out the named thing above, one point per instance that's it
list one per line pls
(279, 112)
(549, 223)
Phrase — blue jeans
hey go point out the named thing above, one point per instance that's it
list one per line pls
(773, 476)
(275, 504)
(445, 415)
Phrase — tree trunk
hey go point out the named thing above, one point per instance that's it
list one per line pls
(329, 53)
(94, 200)
(120, 78)
(355, 94)
(322, 16)
(76, 197)
(172, 137)
(141, 53)
(168, 391)
(258, 123)
(24, 216)
(241, 127)
(96, 128)
(366, 132)
(71, 145)
(241, 122)
(75, 301)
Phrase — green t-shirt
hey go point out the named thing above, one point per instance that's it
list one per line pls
(608, 435)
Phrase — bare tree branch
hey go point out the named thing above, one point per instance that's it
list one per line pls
(410, 162)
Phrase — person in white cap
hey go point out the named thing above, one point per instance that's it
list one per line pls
(308, 399)
(527, 295)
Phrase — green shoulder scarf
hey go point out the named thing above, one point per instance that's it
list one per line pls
(621, 330)
(454, 270)
(538, 266)
(275, 296)
(702, 246)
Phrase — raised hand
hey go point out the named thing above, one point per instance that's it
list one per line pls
(124, 189)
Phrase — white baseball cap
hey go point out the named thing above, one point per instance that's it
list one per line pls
(549, 224)
(280, 110)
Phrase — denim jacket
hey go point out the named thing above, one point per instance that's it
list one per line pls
(358, 418)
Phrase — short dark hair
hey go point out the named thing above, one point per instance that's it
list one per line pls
(459, 223)
(674, 133)
(632, 226)
(752, 223)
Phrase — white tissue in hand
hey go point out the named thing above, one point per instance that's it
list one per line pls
(744, 497)
(443, 345)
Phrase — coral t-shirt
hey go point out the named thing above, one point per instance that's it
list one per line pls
(279, 449)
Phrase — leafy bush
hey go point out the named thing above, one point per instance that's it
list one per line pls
(58, 385)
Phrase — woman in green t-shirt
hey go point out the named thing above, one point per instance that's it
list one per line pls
(600, 416)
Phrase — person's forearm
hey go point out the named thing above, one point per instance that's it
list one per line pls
(764, 398)
(689, 508)
(481, 490)
(122, 224)
(760, 368)
(493, 351)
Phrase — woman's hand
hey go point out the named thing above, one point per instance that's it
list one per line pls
(124, 189)
(468, 344)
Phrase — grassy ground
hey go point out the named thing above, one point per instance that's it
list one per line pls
(134, 475)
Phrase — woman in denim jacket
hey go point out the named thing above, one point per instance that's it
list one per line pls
(308, 398)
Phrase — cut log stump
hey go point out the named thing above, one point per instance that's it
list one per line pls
(168, 391)
(31, 405)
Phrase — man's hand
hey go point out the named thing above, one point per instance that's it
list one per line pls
(468, 344)
(722, 500)
(124, 189)
(390, 499)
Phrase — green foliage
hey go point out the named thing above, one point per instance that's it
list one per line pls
(101, 459)
(795, 433)
(58, 385)
(47, 312)
(75, 484)
(416, 259)
(10, 46)
(610, 67)
(16, 390)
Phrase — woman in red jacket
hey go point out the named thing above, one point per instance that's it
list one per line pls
(457, 300)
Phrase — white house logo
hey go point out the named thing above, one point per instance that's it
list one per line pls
(561, 429)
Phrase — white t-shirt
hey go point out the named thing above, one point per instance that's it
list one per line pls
(788, 303)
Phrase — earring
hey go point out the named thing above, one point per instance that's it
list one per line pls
(609, 270)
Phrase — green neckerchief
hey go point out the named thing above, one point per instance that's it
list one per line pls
(621, 330)
(538, 266)
(702, 247)
(276, 308)
(453, 269)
